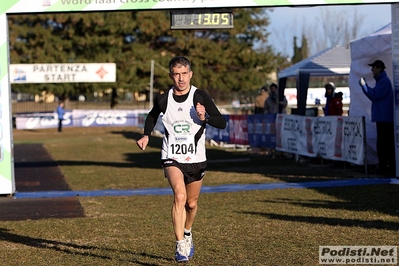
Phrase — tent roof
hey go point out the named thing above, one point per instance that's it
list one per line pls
(387, 29)
(329, 62)
(374, 45)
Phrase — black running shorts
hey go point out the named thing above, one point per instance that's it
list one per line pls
(192, 171)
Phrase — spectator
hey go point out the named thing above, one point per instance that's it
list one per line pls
(60, 112)
(333, 100)
(272, 103)
(260, 100)
(114, 98)
(382, 113)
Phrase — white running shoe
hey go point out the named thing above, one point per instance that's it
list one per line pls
(181, 252)
(189, 245)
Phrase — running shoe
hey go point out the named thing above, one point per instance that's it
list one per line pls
(181, 252)
(188, 239)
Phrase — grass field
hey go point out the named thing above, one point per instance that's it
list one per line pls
(262, 227)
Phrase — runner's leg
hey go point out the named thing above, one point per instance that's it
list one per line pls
(193, 191)
(176, 181)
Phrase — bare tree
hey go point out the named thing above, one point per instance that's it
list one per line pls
(324, 27)
(283, 40)
(354, 28)
(333, 27)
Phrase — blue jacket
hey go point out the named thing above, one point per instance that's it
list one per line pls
(381, 97)
(60, 112)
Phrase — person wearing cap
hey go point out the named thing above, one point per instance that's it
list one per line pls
(382, 113)
(333, 101)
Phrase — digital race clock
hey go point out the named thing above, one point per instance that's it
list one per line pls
(201, 19)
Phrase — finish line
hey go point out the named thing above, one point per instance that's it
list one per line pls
(207, 189)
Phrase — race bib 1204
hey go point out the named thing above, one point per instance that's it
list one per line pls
(181, 147)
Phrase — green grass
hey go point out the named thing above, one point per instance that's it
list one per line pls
(269, 227)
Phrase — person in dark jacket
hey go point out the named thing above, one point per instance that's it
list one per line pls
(273, 104)
(382, 113)
(333, 100)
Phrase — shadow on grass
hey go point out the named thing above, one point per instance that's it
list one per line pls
(146, 160)
(75, 249)
(375, 224)
(69, 248)
(380, 198)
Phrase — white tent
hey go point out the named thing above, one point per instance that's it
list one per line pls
(363, 52)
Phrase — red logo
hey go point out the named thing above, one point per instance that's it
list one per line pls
(102, 72)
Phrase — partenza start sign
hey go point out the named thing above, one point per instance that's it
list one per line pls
(62, 73)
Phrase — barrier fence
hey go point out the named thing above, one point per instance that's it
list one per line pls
(339, 138)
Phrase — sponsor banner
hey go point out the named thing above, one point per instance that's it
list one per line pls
(62, 73)
(262, 130)
(100, 118)
(338, 138)
(238, 128)
(42, 120)
(218, 135)
(82, 118)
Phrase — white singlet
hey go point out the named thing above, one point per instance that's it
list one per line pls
(182, 123)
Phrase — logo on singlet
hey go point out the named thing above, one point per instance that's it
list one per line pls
(181, 128)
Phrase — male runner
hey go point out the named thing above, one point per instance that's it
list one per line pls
(186, 112)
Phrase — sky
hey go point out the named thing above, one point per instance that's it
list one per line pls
(285, 22)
